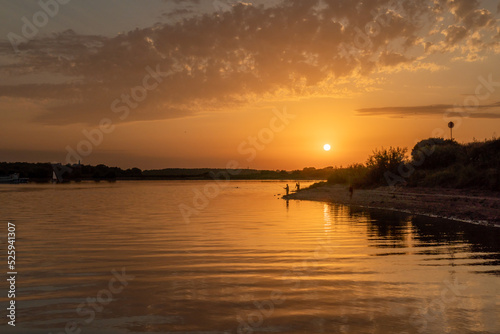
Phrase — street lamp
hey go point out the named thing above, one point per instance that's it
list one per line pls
(451, 125)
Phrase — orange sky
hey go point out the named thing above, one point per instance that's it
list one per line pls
(201, 83)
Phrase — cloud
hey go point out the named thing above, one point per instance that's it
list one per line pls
(250, 52)
(179, 12)
(462, 8)
(393, 58)
(435, 110)
(455, 34)
(478, 19)
(181, 9)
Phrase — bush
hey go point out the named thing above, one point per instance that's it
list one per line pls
(442, 178)
(317, 185)
(354, 175)
(493, 177)
(434, 153)
(383, 161)
(484, 155)
(435, 162)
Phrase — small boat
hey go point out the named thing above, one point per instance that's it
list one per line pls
(12, 179)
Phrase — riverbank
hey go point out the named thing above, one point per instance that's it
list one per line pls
(472, 206)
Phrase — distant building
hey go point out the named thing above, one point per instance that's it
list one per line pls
(12, 179)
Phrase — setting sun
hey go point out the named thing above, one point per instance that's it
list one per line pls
(327, 147)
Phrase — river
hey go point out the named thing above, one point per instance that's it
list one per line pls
(207, 257)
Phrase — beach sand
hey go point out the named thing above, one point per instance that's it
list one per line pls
(472, 206)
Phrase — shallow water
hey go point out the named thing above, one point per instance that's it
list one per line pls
(239, 261)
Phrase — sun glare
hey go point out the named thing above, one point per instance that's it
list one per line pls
(327, 147)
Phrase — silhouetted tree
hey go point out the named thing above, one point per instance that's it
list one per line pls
(383, 161)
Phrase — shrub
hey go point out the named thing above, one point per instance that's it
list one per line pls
(436, 162)
(383, 161)
(317, 185)
(434, 153)
(441, 178)
(354, 174)
(484, 155)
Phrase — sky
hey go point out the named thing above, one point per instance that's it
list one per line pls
(203, 83)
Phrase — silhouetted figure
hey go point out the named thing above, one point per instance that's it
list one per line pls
(351, 191)
(297, 186)
(287, 189)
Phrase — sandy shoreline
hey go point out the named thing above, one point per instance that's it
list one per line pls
(471, 206)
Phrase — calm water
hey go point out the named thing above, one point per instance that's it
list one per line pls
(121, 258)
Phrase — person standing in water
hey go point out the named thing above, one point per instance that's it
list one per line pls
(297, 186)
(287, 189)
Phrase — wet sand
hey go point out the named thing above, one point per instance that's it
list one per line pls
(472, 206)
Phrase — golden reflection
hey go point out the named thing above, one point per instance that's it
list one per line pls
(327, 218)
(409, 236)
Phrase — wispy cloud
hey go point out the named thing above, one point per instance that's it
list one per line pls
(488, 111)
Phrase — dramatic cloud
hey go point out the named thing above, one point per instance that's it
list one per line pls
(455, 34)
(437, 109)
(246, 53)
